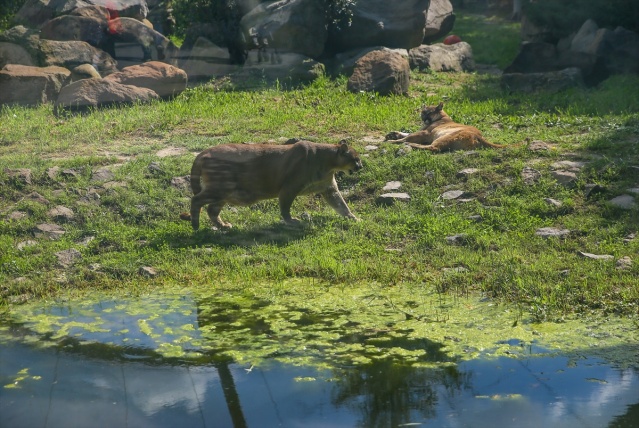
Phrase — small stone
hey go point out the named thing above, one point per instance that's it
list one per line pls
(51, 231)
(538, 145)
(24, 244)
(155, 168)
(148, 272)
(53, 172)
(391, 198)
(36, 197)
(392, 185)
(592, 189)
(403, 151)
(572, 166)
(530, 176)
(553, 202)
(114, 184)
(596, 256)
(564, 177)
(16, 215)
(459, 239)
(624, 263)
(23, 175)
(476, 218)
(103, 174)
(370, 148)
(623, 201)
(467, 172)
(459, 269)
(170, 151)
(452, 194)
(548, 232)
(67, 258)
(181, 183)
(86, 240)
(61, 213)
(629, 238)
(72, 172)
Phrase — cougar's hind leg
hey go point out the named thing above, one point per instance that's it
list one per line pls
(213, 210)
(197, 202)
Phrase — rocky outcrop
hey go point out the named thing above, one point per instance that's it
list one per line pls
(292, 70)
(384, 72)
(34, 13)
(441, 57)
(27, 85)
(289, 26)
(163, 79)
(383, 23)
(91, 93)
(551, 81)
(440, 20)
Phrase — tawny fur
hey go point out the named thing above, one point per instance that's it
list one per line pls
(242, 174)
(440, 133)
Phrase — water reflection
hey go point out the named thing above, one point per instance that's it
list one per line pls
(104, 364)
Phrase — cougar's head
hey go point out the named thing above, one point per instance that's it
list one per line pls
(431, 114)
(348, 159)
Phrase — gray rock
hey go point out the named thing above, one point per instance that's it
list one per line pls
(467, 172)
(441, 57)
(391, 198)
(21, 175)
(553, 202)
(452, 194)
(371, 148)
(61, 213)
(440, 20)
(102, 174)
(36, 12)
(67, 258)
(163, 79)
(16, 215)
(25, 244)
(148, 272)
(11, 53)
(573, 166)
(564, 177)
(550, 232)
(623, 201)
(530, 176)
(51, 231)
(624, 263)
(392, 185)
(181, 183)
(36, 197)
(92, 93)
(459, 239)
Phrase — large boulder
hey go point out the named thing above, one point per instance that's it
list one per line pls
(440, 20)
(441, 57)
(295, 26)
(382, 23)
(384, 72)
(71, 54)
(344, 63)
(154, 45)
(92, 93)
(164, 79)
(34, 13)
(92, 30)
(28, 86)
(10, 53)
(551, 81)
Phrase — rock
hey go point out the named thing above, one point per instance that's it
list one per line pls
(629, 238)
(564, 177)
(467, 172)
(459, 239)
(61, 213)
(626, 202)
(380, 71)
(84, 71)
(441, 57)
(53, 172)
(34, 13)
(552, 81)
(124, 32)
(102, 174)
(36, 197)
(391, 198)
(344, 62)
(91, 93)
(10, 53)
(181, 183)
(568, 165)
(476, 218)
(20, 175)
(25, 244)
(538, 145)
(371, 148)
(382, 23)
(296, 26)
(71, 54)
(68, 258)
(16, 215)
(549, 232)
(163, 79)
(624, 263)
(392, 185)
(148, 271)
(634, 190)
(440, 20)
(553, 202)
(51, 231)
(592, 189)
(452, 194)
(29, 86)
(91, 29)
(596, 256)
(72, 172)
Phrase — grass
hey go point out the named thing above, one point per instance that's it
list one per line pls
(135, 224)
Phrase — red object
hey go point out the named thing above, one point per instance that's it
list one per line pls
(452, 39)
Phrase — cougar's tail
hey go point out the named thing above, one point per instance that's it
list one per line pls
(196, 187)
(484, 143)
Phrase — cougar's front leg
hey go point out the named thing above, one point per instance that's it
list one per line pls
(334, 198)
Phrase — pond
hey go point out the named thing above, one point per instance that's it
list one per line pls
(214, 360)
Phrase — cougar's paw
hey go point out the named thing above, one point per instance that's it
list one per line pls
(185, 216)
(395, 135)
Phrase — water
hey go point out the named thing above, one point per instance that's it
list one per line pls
(112, 364)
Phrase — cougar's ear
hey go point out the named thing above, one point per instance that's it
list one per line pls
(343, 146)
(440, 106)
